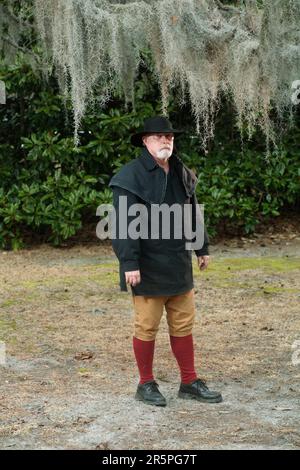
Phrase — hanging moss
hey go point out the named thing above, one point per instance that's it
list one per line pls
(18, 33)
(204, 49)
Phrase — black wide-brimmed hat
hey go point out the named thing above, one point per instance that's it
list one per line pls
(153, 125)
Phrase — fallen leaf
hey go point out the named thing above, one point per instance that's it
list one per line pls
(174, 19)
(81, 356)
(102, 446)
(278, 408)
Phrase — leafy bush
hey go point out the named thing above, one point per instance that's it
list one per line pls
(240, 192)
(50, 188)
(58, 203)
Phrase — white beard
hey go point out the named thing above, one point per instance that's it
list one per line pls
(164, 154)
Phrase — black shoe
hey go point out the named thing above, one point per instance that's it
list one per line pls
(198, 390)
(149, 393)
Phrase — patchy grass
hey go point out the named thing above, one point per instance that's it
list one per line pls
(61, 306)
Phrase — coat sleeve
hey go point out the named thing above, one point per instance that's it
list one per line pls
(127, 250)
(204, 250)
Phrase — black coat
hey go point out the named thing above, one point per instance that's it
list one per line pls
(165, 265)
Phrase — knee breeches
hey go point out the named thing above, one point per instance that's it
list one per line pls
(148, 311)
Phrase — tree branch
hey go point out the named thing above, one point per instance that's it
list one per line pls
(227, 8)
(18, 20)
(19, 48)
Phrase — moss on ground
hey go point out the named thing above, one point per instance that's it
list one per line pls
(7, 326)
(237, 273)
(225, 273)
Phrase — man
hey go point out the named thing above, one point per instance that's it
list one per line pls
(158, 269)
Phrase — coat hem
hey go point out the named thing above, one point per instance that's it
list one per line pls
(163, 294)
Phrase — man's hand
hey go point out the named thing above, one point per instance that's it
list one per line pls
(203, 262)
(133, 277)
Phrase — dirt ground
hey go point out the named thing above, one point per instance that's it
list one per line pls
(69, 377)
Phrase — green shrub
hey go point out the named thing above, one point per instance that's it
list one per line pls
(51, 188)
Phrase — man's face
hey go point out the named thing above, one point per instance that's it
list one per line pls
(159, 145)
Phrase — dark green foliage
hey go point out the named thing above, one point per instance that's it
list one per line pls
(50, 188)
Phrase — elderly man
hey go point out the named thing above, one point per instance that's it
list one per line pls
(157, 268)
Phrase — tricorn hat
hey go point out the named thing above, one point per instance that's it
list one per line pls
(153, 125)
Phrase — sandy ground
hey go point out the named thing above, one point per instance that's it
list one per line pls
(69, 375)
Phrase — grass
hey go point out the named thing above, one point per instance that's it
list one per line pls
(94, 280)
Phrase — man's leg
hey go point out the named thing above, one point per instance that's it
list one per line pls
(180, 317)
(183, 350)
(144, 353)
(147, 315)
